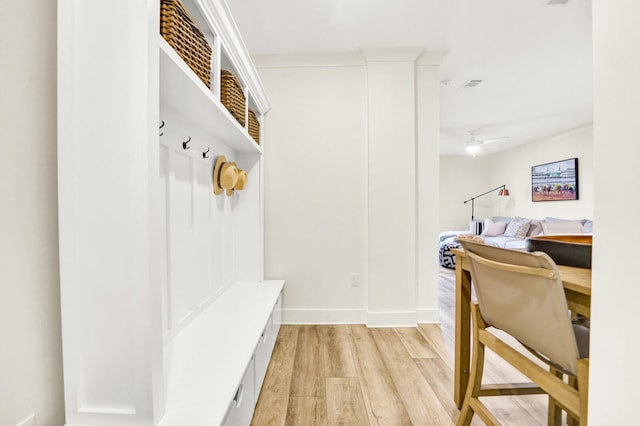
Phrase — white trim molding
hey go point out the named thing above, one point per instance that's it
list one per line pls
(429, 316)
(324, 316)
(392, 319)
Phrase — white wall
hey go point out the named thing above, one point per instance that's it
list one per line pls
(341, 185)
(460, 179)
(613, 392)
(316, 186)
(30, 357)
(464, 177)
(513, 168)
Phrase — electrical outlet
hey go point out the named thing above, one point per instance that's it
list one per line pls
(355, 279)
(29, 421)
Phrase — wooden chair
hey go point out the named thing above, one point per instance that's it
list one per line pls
(521, 293)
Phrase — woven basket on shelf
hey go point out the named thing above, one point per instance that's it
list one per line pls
(232, 95)
(182, 33)
(254, 126)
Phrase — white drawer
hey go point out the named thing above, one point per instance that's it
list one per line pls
(276, 321)
(262, 356)
(241, 408)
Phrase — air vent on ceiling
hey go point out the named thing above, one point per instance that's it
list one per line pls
(470, 83)
(557, 2)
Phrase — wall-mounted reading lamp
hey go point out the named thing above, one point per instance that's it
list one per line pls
(504, 192)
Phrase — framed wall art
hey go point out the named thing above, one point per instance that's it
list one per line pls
(557, 181)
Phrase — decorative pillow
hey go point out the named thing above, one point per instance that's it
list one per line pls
(555, 219)
(517, 228)
(493, 229)
(535, 228)
(502, 219)
(559, 228)
(447, 258)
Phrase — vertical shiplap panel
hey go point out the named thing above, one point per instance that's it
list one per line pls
(247, 224)
(217, 242)
(202, 290)
(229, 241)
(164, 231)
(180, 205)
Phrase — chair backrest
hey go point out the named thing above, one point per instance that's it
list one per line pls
(522, 293)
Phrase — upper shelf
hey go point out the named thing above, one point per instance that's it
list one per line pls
(182, 90)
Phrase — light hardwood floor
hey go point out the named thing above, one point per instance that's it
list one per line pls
(354, 375)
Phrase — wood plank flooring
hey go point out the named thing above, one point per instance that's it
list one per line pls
(353, 375)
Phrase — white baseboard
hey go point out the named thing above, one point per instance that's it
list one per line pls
(360, 316)
(29, 421)
(429, 316)
(392, 319)
(324, 316)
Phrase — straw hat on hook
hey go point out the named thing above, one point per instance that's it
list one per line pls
(225, 176)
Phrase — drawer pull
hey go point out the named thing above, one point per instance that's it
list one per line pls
(238, 397)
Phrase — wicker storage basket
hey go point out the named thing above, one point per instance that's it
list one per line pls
(232, 96)
(254, 126)
(183, 34)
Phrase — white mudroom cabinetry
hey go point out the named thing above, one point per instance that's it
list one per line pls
(166, 316)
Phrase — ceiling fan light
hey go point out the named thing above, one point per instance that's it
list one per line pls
(556, 2)
(472, 149)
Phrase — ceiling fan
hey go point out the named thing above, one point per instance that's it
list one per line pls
(472, 145)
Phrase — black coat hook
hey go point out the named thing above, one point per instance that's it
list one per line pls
(161, 126)
(185, 143)
(204, 154)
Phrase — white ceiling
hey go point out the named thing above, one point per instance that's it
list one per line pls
(534, 60)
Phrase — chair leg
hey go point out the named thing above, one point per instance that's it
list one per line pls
(477, 367)
(555, 412)
(581, 384)
(572, 421)
(583, 390)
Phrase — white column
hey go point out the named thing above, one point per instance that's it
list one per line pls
(614, 349)
(107, 163)
(392, 186)
(428, 175)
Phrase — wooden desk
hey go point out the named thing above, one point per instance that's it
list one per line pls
(577, 287)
